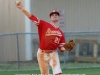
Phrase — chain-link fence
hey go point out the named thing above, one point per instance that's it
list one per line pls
(18, 51)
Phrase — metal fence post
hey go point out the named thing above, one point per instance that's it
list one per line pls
(18, 57)
(64, 54)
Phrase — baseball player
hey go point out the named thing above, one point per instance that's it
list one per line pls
(51, 38)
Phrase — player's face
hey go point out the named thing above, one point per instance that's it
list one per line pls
(54, 18)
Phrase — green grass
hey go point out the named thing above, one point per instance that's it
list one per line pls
(33, 66)
(88, 71)
(6, 69)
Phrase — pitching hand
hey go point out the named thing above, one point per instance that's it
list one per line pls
(19, 5)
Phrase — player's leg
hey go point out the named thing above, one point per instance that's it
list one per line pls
(43, 64)
(55, 64)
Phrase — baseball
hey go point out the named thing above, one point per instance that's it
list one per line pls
(17, 2)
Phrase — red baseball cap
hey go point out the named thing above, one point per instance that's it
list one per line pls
(54, 12)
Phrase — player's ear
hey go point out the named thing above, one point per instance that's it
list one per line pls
(50, 16)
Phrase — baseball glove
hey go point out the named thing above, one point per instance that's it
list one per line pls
(69, 46)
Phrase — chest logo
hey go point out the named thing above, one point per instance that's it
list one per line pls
(53, 32)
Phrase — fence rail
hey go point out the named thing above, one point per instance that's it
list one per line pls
(14, 48)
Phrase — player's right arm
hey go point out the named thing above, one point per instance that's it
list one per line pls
(29, 15)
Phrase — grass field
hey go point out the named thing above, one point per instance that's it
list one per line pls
(89, 71)
(31, 65)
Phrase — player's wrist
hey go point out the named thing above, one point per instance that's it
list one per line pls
(63, 49)
(22, 9)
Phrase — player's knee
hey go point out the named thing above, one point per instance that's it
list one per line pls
(59, 74)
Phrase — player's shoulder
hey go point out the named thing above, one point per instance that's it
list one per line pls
(45, 22)
(61, 30)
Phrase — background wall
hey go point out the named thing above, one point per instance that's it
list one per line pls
(11, 21)
(80, 15)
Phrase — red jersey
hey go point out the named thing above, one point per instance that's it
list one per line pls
(50, 36)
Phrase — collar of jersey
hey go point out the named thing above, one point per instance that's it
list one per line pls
(54, 25)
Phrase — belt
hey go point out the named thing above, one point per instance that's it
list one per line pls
(47, 51)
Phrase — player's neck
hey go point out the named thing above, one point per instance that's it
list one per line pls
(54, 23)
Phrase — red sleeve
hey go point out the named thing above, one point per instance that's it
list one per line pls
(34, 19)
(61, 43)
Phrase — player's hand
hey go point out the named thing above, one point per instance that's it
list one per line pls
(19, 5)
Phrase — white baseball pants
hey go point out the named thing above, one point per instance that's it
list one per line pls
(46, 59)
